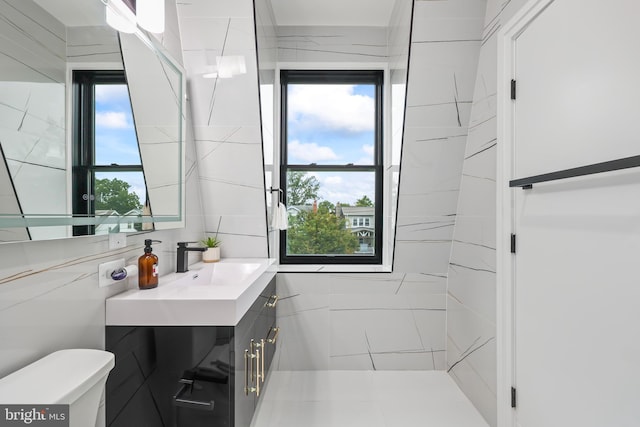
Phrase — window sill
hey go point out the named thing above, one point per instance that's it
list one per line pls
(331, 268)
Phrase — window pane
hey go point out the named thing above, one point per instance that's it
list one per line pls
(327, 211)
(115, 135)
(119, 194)
(331, 124)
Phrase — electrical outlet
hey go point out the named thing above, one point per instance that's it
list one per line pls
(117, 240)
(105, 270)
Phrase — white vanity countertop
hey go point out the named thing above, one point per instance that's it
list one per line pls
(211, 294)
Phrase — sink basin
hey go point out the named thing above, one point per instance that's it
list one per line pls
(219, 274)
(211, 294)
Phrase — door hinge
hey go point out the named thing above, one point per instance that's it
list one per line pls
(513, 243)
(513, 397)
(513, 89)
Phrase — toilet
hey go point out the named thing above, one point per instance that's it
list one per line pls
(75, 377)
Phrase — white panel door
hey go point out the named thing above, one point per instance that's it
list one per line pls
(577, 267)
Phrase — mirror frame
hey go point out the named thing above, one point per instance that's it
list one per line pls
(25, 220)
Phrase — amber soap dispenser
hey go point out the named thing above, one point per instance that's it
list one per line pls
(148, 267)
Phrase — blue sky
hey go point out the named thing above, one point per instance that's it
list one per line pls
(116, 140)
(333, 124)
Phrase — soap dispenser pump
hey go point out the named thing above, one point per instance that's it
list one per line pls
(148, 267)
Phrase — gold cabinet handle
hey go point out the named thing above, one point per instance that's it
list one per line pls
(246, 372)
(249, 372)
(272, 301)
(258, 374)
(275, 332)
(262, 361)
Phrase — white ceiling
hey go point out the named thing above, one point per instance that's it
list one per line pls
(374, 13)
(75, 13)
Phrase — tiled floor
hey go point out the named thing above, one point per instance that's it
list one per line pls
(364, 398)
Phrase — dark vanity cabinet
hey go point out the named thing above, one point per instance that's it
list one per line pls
(191, 376)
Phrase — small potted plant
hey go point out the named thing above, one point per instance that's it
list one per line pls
(212, 254)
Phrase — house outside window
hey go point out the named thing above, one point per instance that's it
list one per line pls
(331, 163)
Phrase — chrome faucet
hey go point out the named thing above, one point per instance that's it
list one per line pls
(183, 256)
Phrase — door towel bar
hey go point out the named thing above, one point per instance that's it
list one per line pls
(611, 165)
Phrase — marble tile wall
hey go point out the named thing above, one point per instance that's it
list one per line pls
(92, 45)
(368, 321)
(471, 294)
(397, 321)
(332, 44)
(32, 111)
(49, 294)
(226, 120)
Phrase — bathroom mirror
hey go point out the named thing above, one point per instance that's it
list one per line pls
(42, 42)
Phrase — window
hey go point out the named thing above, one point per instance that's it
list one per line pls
(331, 165)
(108, 180)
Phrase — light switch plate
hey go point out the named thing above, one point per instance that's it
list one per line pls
(105, 270)
(117, 240)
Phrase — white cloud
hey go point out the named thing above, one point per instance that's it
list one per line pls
(333, 180)
(112, 93)
(311, 152)
(335, 107)
(112, 120)
(346, 187)
(367, 159)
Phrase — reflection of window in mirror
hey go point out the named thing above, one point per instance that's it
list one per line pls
(108, 179)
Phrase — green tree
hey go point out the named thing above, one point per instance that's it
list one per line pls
(319, 233)
(113, 194)
(364, 202)
(326, 207)
(301, 188)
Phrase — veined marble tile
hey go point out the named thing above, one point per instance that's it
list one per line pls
(473, 286)
(40, 189)
(432, 167)
(447, 71)
(422, 283)
(453, 112)
(478, 231)
(225, 102)
(480, 166)
(217, 32)
(416, 229)
(435, 203)
(304, 341)
(478, 195)
(34, 28)
(475, 345)
(93, 44)
(217, 164)
(410, 361)
(372, 331)
(422, 256)
(364, 284)
(332, 44)
(242, 199)
(218, 8)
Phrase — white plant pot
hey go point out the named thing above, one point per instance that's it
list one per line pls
(211, 255)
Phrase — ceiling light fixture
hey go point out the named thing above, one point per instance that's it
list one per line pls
(120, 17)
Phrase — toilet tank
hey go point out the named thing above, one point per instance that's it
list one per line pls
(75, 377)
